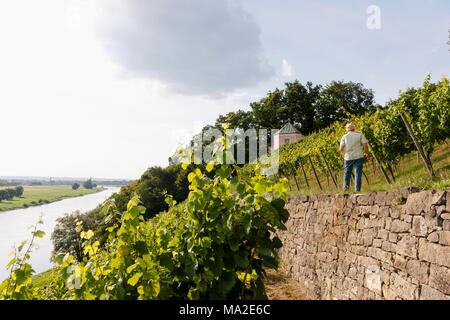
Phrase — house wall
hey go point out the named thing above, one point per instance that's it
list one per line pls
(279, 139)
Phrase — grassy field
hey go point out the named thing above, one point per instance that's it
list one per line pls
(36, 195)
(410, 172)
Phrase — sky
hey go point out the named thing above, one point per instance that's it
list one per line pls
(108, 88)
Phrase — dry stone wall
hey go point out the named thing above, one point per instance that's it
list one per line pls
(372, 246)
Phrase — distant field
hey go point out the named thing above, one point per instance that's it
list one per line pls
(36, 195)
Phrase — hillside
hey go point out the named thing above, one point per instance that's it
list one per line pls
(409, 172)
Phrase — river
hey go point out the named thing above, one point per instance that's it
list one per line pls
(15, 227)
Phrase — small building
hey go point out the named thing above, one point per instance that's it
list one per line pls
(287, 134)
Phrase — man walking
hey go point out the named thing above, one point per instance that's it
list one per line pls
(352, 147)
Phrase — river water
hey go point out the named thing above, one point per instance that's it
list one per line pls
(15, 227)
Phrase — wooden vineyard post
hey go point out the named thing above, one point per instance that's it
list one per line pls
(381, 168)
(315, 173)
(365, 176)
(328, 169)
(419, 147)
(304, 173)
(392, 172)
(295, 178)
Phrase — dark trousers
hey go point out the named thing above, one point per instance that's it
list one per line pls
(349, 165)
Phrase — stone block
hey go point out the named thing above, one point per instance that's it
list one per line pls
(388, 223)
(407, 218)
(433, 237)
(434, 253)
(400, 262)
(388, 246)
(431, 219)
(402, 288)
(372, 279)
(429, 293)
(359, 250)
(421, 201)
(366, 199)
(407, 246)
(388, 293)
(377, 243)
(444, 238)
(399, 226)
(417, 202)
(393, 237)
(419, 227)
(394, 212)
(446, 225)
(383, 212)
(381, 255)
(445, 215)
(418, 270)
(440, 278)
(448, 201)
(438, 197)
(367, 237)
(383, 234)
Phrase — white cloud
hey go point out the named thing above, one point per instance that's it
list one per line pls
(287, 70)
(195, 47)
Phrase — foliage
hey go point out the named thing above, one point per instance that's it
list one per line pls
(75, 186)
(212, 246)
(310, 107)
(152, 188)
(4, 195)
(19, 286)
(10, 193)
(88, 184)
(65, 237)
(19, 191)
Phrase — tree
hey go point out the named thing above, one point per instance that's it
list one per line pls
(3, 194)
(339, 100)
(300, 101)
(75, 186)
(11, 193)
(152, 186)
(19, 191)
(88, 184)
(66, 238)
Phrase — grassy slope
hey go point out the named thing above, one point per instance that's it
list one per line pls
(43, 279)
(45, 194)
(409, 172)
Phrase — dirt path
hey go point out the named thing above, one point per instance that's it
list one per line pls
(282, 287)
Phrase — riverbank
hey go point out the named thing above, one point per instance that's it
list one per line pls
(39, 195)
(15, 227)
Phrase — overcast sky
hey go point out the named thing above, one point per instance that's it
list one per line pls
(109, 88)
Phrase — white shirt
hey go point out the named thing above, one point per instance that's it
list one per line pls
(353, 143)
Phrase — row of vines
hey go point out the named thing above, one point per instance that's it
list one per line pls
(214, 245)
(416, 121)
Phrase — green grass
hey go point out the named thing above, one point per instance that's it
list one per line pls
(36, 195)
(408, 173)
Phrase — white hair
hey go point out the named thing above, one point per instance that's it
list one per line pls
(350, 127)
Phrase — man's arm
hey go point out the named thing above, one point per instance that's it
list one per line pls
(342, 147)
(365, 144)
(366, 149)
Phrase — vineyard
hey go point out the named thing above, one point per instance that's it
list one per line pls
(418, 121)
(214, 245)
(218, 243)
